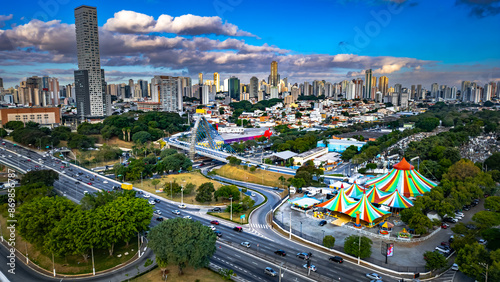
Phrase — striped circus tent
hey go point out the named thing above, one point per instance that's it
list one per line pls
(374, 195)
(355, 191)
(396, 200)
(404, 178)
(338, 203)
(367, 212)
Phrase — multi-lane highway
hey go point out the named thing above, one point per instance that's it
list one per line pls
(249, 263)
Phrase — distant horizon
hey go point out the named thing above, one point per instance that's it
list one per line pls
(408, 41)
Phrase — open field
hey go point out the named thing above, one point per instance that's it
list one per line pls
(113, 141)
(259, 176)
(195, 178)
(190, 275)
(73, 264)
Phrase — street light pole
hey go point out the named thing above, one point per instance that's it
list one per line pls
(182, 195)
(359, 248)
(142, 186)
(290, 238)
(231, 198)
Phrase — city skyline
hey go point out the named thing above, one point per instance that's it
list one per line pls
(139, 42)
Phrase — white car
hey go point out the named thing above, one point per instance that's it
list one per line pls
(105, 182)
(312, 267)
(454, 267)
(253, 194)
(151, 202)
(176, 212)
(212, 227)
(374, 276)
(158, 212)
(182, 206)
(246, 244)
(146, 196)
(482, 242)
(188, 217)
(460, 214)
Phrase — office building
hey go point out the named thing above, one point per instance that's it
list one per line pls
(200, 78)
(383, 84)
(273, 78)
(368, 85)
(49, 116)
(234, 88)
(434, 90)
(274, 92)
(91, 88)
(217, 82)
(419, 94)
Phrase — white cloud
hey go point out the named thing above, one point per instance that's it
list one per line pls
(133, 22)
(5, 18)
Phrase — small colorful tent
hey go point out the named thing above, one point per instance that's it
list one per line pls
(374, 195)
(338, 203)
(386, 225)
(396, 200)
(368, 212)
(405, 178)
(355, 191)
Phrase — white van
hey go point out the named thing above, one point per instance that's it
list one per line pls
(311, 193)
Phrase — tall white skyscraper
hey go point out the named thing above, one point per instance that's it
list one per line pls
(167, 90)
(89, 78)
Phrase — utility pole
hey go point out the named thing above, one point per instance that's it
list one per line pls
(359, 248)
(281, 265)
(290, 238)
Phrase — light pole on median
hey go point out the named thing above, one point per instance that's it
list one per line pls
(182, 195)
(231, 199)
(323, 235)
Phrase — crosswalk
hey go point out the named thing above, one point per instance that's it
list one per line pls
(259, 226)
(448, 276)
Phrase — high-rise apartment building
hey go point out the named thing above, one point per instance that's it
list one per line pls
(383, 85)
(398, 88)
(435, 90)
(273, 81)
(90, 87)
(368, 85)
(217, 82)
(419, 93)
(254, 87)
(200, 78)
(167, 90)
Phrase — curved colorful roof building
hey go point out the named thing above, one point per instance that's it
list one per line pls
(396, 200)
(404, 178)
(374, 195)
(338, 203)
(367, 211)
(355, 191)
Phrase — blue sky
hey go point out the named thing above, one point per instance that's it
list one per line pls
(411, 42)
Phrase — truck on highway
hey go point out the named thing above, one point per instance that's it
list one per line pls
(126, 186)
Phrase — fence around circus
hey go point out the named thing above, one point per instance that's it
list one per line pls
(376, 262)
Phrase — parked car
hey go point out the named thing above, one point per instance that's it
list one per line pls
(373, 276)
(214, 222)
(322, 223)
(217, 209)
(454, 267)
(336, 259)
(269, 271)
(445, 225)
(245, 244)
(482, 242)
(280, 252)
(238, 229)
(443, 249)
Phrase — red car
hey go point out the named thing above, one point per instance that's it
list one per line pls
(90, 183)
(214, 222)
(444, 225)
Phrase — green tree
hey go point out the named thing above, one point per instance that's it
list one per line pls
(352, 246)
(13, 125)
(37, 218)
(297, 182)
(227, 191)
(205, 192)
(469, 257)
(27, 193)
(329, 241)
(155, 182)
(141, 137)
(493, 161)
(434, 260)
(47, 177)
(486, 219)
(492, 203)
(183, 242)
(3, 133)
(427, 124)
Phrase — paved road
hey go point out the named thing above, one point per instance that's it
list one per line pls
(257, 232)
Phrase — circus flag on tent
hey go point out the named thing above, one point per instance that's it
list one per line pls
(405, 178)
(368, 212)
(396, 200)
(374, 195)
(355, 191)
(338, 203)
